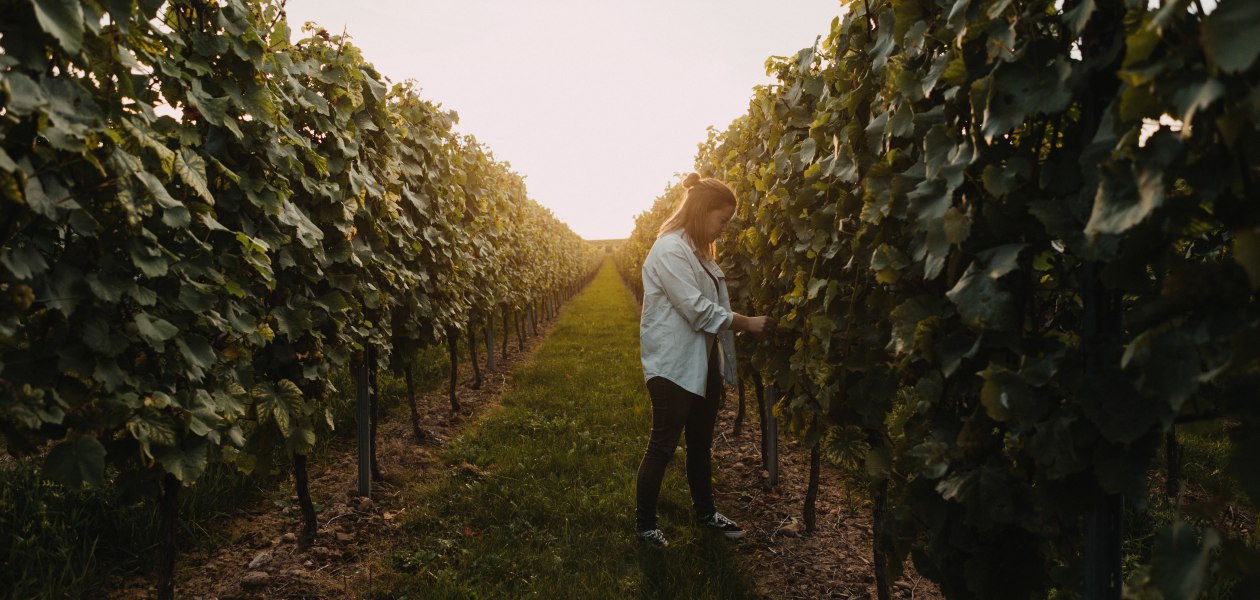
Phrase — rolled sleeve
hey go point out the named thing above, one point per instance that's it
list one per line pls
(673, 273)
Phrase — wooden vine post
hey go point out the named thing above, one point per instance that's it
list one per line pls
(490, 366)
(363, 413)
(771, 442)
(168, 509)
(1102, 41)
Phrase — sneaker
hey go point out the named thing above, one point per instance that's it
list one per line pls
(724, 525)
(654, 537)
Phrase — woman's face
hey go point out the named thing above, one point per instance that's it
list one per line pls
(716, 221)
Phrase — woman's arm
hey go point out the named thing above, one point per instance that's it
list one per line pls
(670, 271)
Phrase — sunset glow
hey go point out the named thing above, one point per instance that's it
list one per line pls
(597, 104)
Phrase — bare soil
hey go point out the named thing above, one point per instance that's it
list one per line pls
(261, 559)
(833, 561)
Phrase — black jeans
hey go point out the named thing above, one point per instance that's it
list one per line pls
(675, 410)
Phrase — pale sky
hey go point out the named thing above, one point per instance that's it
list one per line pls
(597, 103)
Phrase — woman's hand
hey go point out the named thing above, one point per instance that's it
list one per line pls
(762, 325)
(757, 326)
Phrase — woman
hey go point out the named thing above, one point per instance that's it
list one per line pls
(687, 348)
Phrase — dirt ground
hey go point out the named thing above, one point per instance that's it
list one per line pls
(834, 561)
(261, 559)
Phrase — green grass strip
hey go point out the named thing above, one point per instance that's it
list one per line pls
(538, 497)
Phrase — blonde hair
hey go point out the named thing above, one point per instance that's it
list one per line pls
(704, 194)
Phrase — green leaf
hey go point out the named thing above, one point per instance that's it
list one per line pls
(1168, 364)
(155, 187)
(210, 222)
(1118, 411)
(307, 232)
(1001, 180)
(1246, 246)
(301, 439)
(1180, 561)
(6, 163)
(142, 295)
(1054, 448)
(957, 225)
(816, 286)
(38, 199)
(24, 96)
(1079, 16)
(76, 462)
(149, 260)
(160, 400)
(32, 408)
(203, 422)
(1195, 98)
(957, 487)
(1001, 259)
(878, 463)
(1019, 90)
(155, 330)
(978, 298)
(1229, 34)
(241, 319)
(932, 456)
(109, 373)
(1243, 448)
(23, 261)
(187, 460)
(196, 350)
(191, 169)
(215, 110)
(887, 262)
(1007, 397)
(808, 148)
(1123, 202)
(196, 298)
(98, 336)
(62, 19)
(177, 217)
(902, 123)
(280, 403)
(905, 319)
(166, 156)
(954, 72)
(1137, 102)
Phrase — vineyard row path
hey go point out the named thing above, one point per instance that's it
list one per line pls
(358, 537)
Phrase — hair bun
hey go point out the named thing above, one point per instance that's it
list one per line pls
(691, 180)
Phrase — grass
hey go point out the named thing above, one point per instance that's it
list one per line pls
(537, 498)
(61, 543)
(1205, 448)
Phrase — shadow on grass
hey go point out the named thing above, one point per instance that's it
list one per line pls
(663, 575)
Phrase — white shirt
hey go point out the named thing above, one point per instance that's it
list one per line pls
(682, 312)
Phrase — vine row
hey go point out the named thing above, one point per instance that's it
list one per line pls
(1011, 246)
(200, 221)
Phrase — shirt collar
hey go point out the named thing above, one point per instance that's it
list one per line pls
(691, 243)
(680, 232)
